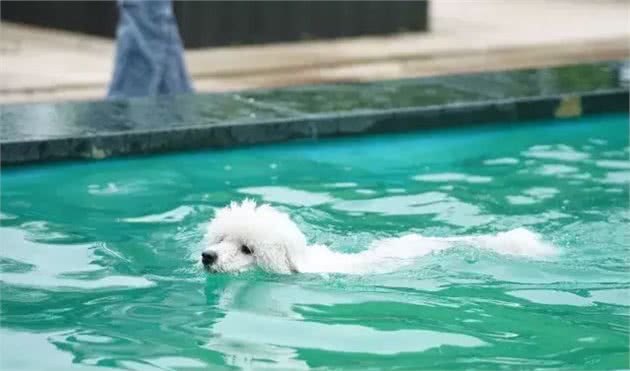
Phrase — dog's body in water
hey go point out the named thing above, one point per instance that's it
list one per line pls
(245, 235)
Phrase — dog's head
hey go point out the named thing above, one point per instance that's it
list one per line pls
(243, 236)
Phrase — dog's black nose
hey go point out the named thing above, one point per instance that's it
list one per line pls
(208, 257)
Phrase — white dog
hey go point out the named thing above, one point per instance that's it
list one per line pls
(246, 235)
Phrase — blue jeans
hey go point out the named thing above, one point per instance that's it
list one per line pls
(149, 51)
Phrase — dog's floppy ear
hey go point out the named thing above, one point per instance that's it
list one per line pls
(292, 266)
(275, 258)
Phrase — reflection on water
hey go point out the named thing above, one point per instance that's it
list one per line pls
(245, 327)
(255, 310)
(173, 216)
(97, 260)
(285, 195)
(444, 208)
(40, 265)
(554, 297)
(613, 164)
(533, 195)
(617, 177)
(501, 161)
(560, 152)
(556, 169)
(551, 297)
(452, 177)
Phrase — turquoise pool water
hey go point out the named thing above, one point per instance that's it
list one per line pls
(98, 258)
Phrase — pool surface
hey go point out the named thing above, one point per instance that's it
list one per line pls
(98, 258)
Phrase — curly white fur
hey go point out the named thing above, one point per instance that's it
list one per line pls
(246, 235)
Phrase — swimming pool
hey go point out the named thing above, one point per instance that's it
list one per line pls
(98, 257)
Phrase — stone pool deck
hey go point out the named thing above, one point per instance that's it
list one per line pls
(35, 133)
(466, 36)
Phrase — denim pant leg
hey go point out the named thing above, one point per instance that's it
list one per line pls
(149, 51)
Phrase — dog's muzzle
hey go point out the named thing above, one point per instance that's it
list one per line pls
(208, 258)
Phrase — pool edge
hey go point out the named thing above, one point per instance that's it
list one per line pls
(313, 126)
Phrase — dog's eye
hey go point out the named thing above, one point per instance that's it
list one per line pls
(246, 250)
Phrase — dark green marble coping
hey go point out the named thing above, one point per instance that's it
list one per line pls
(94, 130)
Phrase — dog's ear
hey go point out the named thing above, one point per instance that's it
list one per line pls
(275, 259)
(292, 266)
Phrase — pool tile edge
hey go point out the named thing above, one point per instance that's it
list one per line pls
(314, 126)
